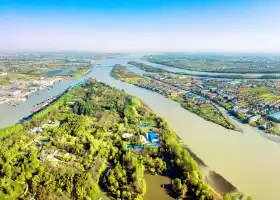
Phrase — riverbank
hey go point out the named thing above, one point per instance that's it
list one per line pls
(219, 184)
(160, 186)
(200, 106)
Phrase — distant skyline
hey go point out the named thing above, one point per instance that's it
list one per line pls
(140, 25)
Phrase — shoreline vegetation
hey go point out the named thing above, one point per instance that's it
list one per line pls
(205, 110)
(221, 76)
(218, 182)
(75, 147)
(218, 64)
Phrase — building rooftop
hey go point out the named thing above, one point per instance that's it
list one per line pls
(275, 115)
(153, 136)
(255, 118)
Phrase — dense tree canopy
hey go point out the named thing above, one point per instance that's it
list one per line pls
(86, 150)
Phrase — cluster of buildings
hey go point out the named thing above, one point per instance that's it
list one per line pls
(250, 98)
(24, 63)
(253, 101)
(20, 90)
(160, 87)
(180, 86)
(150, 139)
(197, 99)
(21, 74)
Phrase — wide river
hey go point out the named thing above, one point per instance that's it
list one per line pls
(248, 160)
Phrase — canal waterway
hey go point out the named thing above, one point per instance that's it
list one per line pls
(248, 160)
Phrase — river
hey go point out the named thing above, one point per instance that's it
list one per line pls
(248, 160)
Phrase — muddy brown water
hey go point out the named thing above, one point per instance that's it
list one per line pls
(155, 190)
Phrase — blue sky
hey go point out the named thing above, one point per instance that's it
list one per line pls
(140, 25)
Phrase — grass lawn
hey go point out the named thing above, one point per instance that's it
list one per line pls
(263, 92)
(179, 80)
(4, 80)
(103, 195)
(82, 72)
(26, 77)
(270, 96)
(256, 90)
(135, 80)
(21, 75)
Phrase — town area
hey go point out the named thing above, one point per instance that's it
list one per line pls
(256, 102)
(24, 74)
(190, 101)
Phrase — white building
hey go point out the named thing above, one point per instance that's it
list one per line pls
(126, 135)
(43, 83)
(13, 92)
(255, 118)
(36, 130)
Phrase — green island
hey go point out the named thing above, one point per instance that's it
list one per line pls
(83, 71)
(199, 106)
(91, 141)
